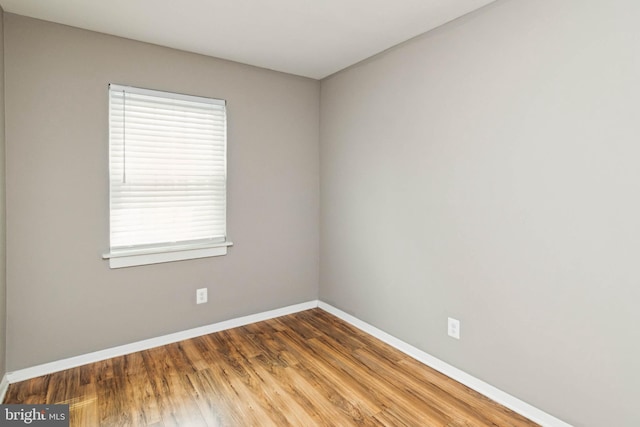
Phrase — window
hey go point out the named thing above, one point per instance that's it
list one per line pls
(167, 171)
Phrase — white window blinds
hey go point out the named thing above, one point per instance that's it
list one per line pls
(167, 169)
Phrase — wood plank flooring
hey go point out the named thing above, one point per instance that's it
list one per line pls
(305, 369)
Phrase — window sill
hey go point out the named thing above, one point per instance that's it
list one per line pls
(133, 257)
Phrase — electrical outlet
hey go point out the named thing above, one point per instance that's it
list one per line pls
(201, 296)
(453, 328)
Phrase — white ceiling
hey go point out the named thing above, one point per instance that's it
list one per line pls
(312, 38)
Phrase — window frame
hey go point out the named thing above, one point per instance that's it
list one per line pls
(144, 254)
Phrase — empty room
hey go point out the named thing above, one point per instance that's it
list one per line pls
(330, 213)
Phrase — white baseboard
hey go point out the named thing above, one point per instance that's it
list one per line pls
(497, 395)
(4, 385)
(72, 362)
(488, 390)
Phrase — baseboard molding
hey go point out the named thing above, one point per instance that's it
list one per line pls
(470, 381)
(72, 362)
(4, 385)
(497, 395)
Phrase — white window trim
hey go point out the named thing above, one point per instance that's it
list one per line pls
(137, 256)
(134, 257)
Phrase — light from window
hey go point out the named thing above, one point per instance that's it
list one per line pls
(167, 167)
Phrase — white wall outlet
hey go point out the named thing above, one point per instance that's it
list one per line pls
(201, 296)
(453, 328)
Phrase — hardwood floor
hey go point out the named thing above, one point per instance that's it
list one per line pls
(305, 369)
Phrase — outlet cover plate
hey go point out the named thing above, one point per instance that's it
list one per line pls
(201, 296)
(453, 328)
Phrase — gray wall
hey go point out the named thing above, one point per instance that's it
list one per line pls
(3, 276)
(63, 300)
(490, 171)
